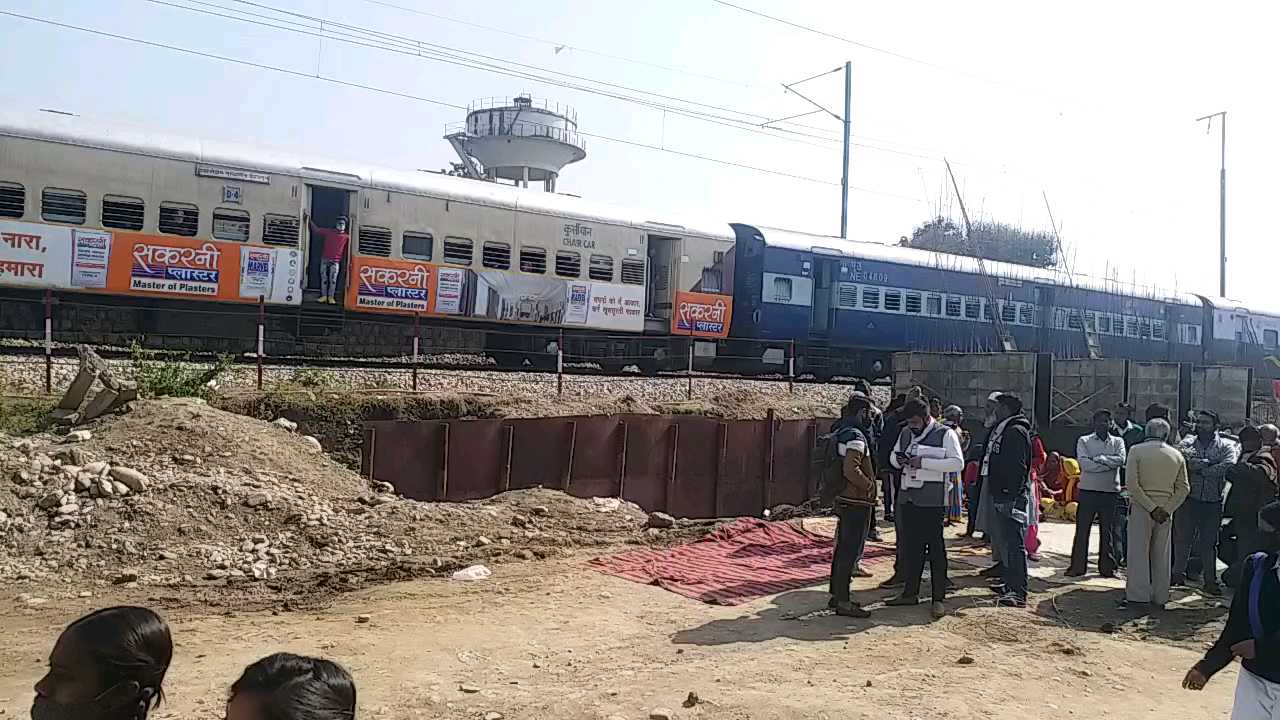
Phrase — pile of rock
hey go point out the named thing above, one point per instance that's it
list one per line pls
(68, 486)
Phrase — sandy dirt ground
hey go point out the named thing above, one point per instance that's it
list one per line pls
(556, 640)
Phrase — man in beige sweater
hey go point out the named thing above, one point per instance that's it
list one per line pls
(1156, 476)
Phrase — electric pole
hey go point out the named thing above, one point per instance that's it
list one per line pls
(844, 180)
(846, 120)
(1222, 201)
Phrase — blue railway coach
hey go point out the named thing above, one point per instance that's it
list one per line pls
(845, 306)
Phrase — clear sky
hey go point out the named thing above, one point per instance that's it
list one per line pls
(1093, 103)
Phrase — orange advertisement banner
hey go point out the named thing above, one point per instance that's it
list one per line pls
(382, 285)
(173, 267)
(702, 314)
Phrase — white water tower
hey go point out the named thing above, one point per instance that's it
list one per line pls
(518, 139)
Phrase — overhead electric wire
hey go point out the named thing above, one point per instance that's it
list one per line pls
(568, 46)
(419, 98)
(413, 48)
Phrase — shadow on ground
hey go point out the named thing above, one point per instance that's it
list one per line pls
(1189, 619)
(803, 615)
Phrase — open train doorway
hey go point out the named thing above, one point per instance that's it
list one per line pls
(326, 205)
(663, 256)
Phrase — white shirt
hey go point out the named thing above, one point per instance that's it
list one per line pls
(935, 462)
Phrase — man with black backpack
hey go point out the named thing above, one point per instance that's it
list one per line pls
(848, 481)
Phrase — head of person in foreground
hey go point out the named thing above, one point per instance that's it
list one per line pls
(293, 687)
(108, 665)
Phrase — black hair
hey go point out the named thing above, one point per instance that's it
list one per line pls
(863, 385)
(917, 408)
(294, 687)
(1156, 410)
(1249, 432)
(1012, 403)
(128, 644)
(1212, 416)
(856, 403)
(1102, 413)
(898, 401)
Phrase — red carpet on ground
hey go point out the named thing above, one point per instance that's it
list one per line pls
(743, 560)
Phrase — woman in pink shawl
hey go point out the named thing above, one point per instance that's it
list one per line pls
(1038, 458)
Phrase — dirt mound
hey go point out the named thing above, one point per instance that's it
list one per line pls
(178, 494)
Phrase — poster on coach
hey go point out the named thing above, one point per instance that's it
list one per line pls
(151, 265)
(33, 255)
(389, 285)
(702, 315)
(605, 306)
(273, 274)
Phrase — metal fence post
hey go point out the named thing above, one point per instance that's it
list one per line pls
(560, 365)
(262, 319)
(791, 367)
(689, 390)
(48, 341)
(417, 319)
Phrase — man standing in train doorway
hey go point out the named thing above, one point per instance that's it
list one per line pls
(335, 248)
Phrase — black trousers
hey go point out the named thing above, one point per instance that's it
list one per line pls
(1099, 506)
(851, 535)
(972, 498)
(922, 527)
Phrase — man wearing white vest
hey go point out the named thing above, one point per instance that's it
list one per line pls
(925, 456)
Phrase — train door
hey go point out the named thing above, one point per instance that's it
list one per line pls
(325, 205)
(825, 284)
(664, 253)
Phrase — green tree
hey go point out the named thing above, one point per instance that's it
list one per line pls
(989, 240)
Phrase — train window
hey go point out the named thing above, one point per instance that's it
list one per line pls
(1157, 330)
(374, 240)
(782, 289)
(417, 245)
(457, 251)
(1104, 323)
(953, 306)
(971, 306)
(280, 230)
(64, 206)
(601, 268)
(121, 211)
(1270, 338)
(13, 199)
(1073, 320)
(1007, 313)
(871, 298)
(933, 305)
(495, 255)
(633, 272)
(179, 218)
(568, 264)
(1144, 328)
(1189, 334)
(231, 224)
(913, 303)
(1131, 326)
(1026, 314)
(893, 300)
(533, 260)
(711, 278)
(986, 311)
(1091, 322)
(847, 296)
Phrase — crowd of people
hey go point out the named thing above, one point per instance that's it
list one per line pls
(111, 665)
(1158, 490)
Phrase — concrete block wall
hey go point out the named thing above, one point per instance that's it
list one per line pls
(1223, 389)
(1082, 387)
(1153, 383)
(967, 379)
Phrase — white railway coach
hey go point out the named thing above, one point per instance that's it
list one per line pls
(92, 208)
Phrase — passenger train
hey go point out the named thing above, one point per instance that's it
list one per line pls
(159, 229)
